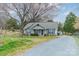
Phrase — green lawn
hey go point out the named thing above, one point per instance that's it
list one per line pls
(15, 45)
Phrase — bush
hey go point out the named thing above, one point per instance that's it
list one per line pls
(34, 34)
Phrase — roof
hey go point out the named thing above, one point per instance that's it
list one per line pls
(45, 25)
(38, 27)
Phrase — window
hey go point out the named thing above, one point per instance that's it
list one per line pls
(51, 31)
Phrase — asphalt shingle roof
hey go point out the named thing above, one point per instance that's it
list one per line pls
(46, 25)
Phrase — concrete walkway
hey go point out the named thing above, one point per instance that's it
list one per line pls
(63, 46)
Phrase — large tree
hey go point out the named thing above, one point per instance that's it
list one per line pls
(28, 12)
(69, 23)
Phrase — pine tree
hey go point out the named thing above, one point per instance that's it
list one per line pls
(69, 23)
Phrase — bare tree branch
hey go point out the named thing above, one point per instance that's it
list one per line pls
(29, 12)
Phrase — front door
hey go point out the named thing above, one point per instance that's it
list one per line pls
(40, 32)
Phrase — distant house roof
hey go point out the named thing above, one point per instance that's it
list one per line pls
(45, 25)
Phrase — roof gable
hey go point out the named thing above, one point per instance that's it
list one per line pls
(38, 26)
(45, 25)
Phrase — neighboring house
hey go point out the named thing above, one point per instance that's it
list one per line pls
(77, 26)
(41, 28)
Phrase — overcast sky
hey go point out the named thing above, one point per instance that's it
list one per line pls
(64, 10)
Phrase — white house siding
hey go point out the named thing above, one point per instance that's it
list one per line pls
(56, 31)
(32, 31)
(27, 32)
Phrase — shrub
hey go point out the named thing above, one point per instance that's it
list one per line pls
(34, 34)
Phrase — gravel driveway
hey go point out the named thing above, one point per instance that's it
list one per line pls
(64, 45)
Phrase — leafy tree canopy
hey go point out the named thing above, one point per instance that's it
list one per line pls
(69, 23)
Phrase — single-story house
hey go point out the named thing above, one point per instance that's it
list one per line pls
(41, 28)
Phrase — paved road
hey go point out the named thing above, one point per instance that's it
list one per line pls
(61, 46)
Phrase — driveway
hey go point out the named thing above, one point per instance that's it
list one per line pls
(63, 46)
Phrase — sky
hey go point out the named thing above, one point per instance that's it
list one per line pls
(64, 10)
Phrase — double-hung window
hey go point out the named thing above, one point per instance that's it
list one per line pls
(51, 31)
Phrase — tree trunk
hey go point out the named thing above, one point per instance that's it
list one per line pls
(22, 32)
(22, 28)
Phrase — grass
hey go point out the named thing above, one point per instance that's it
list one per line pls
(15, 45)
(9, 44)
